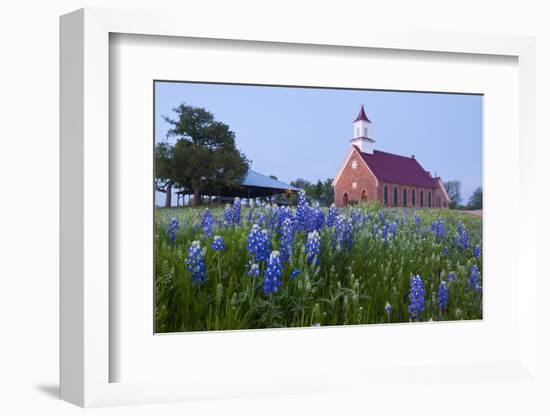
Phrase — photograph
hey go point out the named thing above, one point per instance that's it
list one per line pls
(282, 206)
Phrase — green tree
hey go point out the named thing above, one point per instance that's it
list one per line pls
(320, 191)
(453, 189)
(305, 185)
(476, 200)
(328, 193)
(205, 158)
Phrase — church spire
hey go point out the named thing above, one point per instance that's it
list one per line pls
(360, 134)
(362, 115)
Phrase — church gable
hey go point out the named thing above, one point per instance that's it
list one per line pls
(355, 181)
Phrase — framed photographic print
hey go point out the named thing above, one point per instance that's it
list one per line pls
(367, 237)
(325, 212)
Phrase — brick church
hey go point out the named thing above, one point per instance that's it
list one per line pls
(393, 180)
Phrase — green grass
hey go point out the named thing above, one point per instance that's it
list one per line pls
(346, 288)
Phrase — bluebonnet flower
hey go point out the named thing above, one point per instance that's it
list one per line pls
(273, 217)
(474, 277)
(416, 297)
(442, 295)
(385, 230)
(393, 228)
(343, 237)
(195, 262)
(261, 220)
(258, 243)
(302, 211)
(461, 236)
(477, 251)
(338, 228)
(347, 236)
(281, 217)
(207, 223)
(317, 218)
(438, 228)
(264, 247)
(218, 243)
(237, 211)
(451, 277)
(249, 216)
(331, 216)
(375, 230)
(254, 270)
(388, 308)
(313, 247)
(287, 238)
(295, 273)
(227, 215)
(273, 274)
(380, 216)
(389, 230)
(417, 219)
(446, 251)
(172, 228)
(356, 216)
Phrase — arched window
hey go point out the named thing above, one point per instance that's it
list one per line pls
(421, 198)
(413, 198)
(345, 199)
(404, 197)
(429, 199)
(394, 196)
(364, 195)
(385, 194)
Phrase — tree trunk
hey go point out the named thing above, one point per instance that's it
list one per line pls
(196, 197)
(168, 198)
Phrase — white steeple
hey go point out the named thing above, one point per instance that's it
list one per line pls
(360, 133)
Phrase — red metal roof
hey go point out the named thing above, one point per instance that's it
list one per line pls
(403, 170)
(362, 116)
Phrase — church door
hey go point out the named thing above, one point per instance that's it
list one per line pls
(345, 199)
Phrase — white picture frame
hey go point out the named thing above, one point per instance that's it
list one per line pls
(85, 352)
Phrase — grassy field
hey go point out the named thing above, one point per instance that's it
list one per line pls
(269, 267)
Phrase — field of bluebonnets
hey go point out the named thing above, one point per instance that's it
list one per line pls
(270, 266)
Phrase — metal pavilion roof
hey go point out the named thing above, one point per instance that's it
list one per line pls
(255, 179)
(253, 185)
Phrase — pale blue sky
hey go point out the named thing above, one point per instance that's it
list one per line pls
(304, 132)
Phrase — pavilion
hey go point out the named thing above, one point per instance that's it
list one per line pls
(254, 186)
